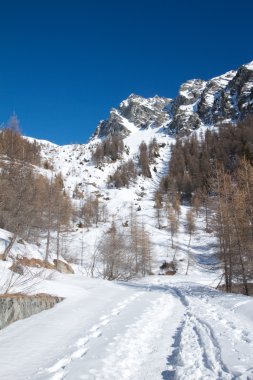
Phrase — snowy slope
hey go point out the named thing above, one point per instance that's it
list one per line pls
(159, 327)
(75, 164)
(155, 329)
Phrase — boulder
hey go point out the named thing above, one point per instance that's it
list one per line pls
(63, 267)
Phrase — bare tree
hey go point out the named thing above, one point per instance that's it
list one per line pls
(93, 210)
(190, 229)
(158, 207)
(145, 252)
(172, 224)
(112, 250)
(57, 211)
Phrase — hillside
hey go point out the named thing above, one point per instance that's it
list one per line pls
(162, 316)
(199, 106)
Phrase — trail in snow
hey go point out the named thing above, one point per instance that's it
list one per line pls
(208, 343)
(122, 342)
(155, 329)
(79, 348)
(177, 331)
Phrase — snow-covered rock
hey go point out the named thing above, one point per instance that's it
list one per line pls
(226, 98)
(141, 112)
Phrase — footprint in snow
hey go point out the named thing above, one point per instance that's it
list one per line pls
(94, 328)
(104, 317)
(61, 364)
(82, 341)
(105, 322)
(96, 334)
(115, 312)
(79, 353)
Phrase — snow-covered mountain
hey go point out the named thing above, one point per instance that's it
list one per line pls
(158, 327)
(226, 98)
(143, 113)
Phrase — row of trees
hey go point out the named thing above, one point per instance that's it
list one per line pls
(14, 147)
(193, 162)
(215, 173)
(233, 223)
(30, 204)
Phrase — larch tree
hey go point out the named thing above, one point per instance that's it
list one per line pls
(158, 207)
(190, 229)
(173, 224)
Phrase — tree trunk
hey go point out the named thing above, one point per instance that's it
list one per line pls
(9, 247)
(48, 243)
(188, 262)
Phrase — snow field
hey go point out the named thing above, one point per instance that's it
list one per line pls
(161, 327)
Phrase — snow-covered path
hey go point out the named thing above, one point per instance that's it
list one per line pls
(127, 341)
(211, 341)
(138, 331)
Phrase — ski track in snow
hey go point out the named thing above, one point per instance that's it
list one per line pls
(197, 349)
(197, 354)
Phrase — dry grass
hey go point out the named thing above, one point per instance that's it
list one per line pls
(36, 263)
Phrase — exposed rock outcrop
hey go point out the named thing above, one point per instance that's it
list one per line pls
(143, 113)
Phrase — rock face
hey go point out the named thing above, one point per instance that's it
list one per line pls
(15, 307)
(114, 126)
(141, 112)
(144, 113)
(224, 99)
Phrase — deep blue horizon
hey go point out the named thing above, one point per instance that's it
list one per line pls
(65, 64)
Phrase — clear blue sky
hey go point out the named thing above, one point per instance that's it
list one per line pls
(65, 63)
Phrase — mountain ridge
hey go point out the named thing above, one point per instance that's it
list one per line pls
(227, 98)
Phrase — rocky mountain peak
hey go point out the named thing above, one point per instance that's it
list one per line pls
(223, 99)
(190, 90)
(137, 110)
(227, 98)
